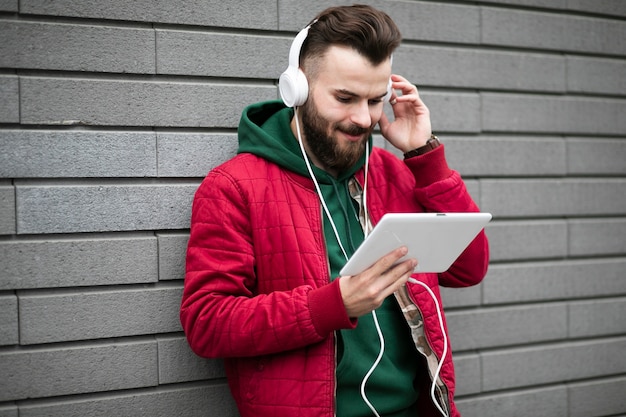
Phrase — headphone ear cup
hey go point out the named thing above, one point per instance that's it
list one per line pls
(293, 87)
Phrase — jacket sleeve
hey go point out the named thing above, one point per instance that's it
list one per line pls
(221, 314)
(441, 189)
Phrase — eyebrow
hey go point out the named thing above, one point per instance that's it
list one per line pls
(353, 94)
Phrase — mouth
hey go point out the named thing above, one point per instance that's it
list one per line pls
(353, 136)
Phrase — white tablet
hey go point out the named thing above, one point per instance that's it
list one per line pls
(435, 239)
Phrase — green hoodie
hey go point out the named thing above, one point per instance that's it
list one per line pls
(264, 130)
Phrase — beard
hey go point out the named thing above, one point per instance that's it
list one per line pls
(332, 152)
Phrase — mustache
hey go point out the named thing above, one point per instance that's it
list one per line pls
(353, 130)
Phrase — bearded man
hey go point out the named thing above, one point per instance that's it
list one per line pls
(272, 227)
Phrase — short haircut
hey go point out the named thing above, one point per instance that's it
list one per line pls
(370, 32)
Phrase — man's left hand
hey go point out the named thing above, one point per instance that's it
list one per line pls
(411, 127)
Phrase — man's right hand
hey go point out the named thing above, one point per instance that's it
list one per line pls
(366, 291)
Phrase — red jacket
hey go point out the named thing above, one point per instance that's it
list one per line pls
(258, 291)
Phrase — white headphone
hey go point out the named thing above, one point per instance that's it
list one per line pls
(292, 84)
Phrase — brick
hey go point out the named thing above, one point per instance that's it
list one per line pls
(459, 112)
(561, 32)
(544, 281)
(588, 237)
(77, 262)
(546, 364)
(226, 14)
(609, 7)
(553, 4)
(461, 297)
(9, 99)
(596, 75)
(7, 210)
(8, 410)
(54, 371)
(597, 318)
(473, 188)
(8, 320)
(177, 362)
(553, 197)
(467, 371)
(57, 101)
(81, 315)
(457, 23)
(438, 22)
(187, 401)
(529, 239)
(35, 45)
(172, 253)
(108, 207)
(505, 156)
(492, 327)
(552, 114)
(60, 154)
(474, 68)
(596, 157)
(545, 401)
(194, 53)
(597, 398)
(8, 6)
(192, 154)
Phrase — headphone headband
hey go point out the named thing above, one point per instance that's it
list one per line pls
(296, 46)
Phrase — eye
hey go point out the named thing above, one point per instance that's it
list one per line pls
(375, 101)
(344, 99)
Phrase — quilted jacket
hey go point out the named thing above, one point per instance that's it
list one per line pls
(258, 290)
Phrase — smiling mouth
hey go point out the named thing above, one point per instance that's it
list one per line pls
(353, 136)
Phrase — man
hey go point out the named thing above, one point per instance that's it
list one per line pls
(270, 233)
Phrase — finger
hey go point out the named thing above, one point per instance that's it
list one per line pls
(413, 99)
(390, 271)
(398, 276)
(401, 83)
(386, 263)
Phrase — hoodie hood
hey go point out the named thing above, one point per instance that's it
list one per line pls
(264, 130)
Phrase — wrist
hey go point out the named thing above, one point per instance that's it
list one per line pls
(432, 143)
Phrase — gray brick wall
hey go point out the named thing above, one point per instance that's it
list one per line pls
(112, 112)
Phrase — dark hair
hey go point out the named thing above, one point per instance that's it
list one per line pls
(368, 31)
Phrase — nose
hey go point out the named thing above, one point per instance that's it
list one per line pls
(360, 115)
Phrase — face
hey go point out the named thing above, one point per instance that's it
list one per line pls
(344, 105)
